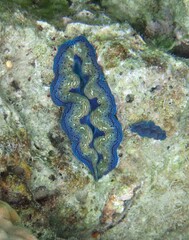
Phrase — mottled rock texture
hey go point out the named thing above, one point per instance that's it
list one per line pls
(146, 196)
(163, 23)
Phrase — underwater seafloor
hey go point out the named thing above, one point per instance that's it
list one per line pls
(45, 192)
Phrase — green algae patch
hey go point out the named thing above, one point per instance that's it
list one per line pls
(47, 10)
(154, 57)
(116, 53)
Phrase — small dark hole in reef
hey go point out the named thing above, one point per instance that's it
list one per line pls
(29, 217)
(51, 153)
(69, 2)
(32, 63)
(4, 174)
(55, 139)
(36, 146)
(153, 89)
(52, 177)
(15, 85)
(39, 27)
(168, 147)
(5, 116)
(96, 2)
(39, 235)
(121, 154)
(129, 98)
(181, 51)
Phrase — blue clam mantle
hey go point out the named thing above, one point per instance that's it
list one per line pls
(148, 129)
(89, 107)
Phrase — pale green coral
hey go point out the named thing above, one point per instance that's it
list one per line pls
(9, 228)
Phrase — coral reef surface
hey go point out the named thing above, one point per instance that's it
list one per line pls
(146, 196)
